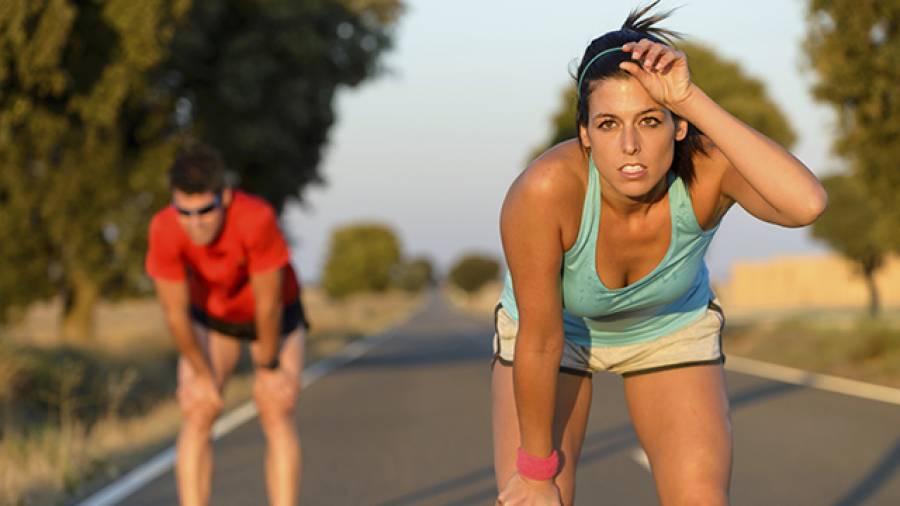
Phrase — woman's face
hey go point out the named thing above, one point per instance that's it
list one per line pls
(631, 137)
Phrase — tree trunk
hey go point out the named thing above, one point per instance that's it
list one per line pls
(79, 300)
(874, 304)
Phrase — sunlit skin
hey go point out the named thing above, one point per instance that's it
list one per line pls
(201, 229)
(208, 358)
(680, 415)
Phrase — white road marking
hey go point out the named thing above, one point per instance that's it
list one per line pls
(813, 380)
(640, 457)
(163, 461)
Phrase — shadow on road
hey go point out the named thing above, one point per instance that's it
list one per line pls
(874, 479)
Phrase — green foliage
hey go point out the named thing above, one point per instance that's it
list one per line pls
(46, 384)
(849, 225)
(95, 97)
(414, 275)
(853, 46)
(724, 81)
(473, 271)
(81, 142)
(260, 79)
(361, 258)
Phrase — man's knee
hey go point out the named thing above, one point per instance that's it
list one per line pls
(275, 407)
(199, 415)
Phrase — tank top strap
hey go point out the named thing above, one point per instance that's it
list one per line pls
(679, 200)
(590, 212)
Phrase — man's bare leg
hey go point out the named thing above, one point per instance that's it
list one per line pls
(276, 393)
(193, 466)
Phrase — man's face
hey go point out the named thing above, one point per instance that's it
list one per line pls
(201, 215)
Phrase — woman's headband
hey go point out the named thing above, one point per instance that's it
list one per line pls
(591, 62)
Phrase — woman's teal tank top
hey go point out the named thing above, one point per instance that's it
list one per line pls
(675, 294)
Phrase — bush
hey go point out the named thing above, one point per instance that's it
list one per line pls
(361, 258)
(415, 275)
(474, 271)
(43, 385)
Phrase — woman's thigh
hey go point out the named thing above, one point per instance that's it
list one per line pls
(573, 404)
(681, 417)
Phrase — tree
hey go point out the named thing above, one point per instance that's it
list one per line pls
(849, 226)
(853, 47)
(258, 80)
(94, 97)
(81, 142)
(724, 81)
(473, 271)
(414, 275)
(361, 258)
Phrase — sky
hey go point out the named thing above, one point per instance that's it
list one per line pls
(430, 146)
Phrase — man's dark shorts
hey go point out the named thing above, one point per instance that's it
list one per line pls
(292, 317)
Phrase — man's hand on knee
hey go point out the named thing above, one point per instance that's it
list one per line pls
(200, 398)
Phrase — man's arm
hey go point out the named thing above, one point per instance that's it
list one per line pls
(173, 295)
(267, 294)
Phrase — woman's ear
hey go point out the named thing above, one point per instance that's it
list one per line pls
(227, 195)
(681, 128)
(583, 137)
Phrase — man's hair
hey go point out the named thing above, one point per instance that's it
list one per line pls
(198, 168)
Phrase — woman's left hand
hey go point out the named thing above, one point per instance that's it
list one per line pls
(662, 70)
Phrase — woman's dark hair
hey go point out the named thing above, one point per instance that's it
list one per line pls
(198, 168)
(640, 24)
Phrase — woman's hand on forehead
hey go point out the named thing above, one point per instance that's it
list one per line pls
(662, 70)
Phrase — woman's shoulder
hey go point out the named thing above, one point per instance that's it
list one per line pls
(555, 173)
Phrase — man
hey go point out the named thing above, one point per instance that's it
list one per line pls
(223, 275)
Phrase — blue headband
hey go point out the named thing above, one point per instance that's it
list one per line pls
(591, 62)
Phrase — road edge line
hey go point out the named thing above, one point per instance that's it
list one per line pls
(819, 381)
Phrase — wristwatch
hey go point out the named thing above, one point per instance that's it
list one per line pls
(271, 364)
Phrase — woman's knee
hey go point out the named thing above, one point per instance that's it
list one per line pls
(699, 494)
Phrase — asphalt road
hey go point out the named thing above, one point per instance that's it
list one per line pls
(409, 423)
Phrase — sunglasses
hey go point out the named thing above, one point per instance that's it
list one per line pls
(215, 204)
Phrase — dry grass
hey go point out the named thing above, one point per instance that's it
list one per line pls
(63, 450)
(360, 314)
(480, 303)
(853, 347)
(43, 466)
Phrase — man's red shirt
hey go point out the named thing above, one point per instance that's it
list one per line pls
(218, 274)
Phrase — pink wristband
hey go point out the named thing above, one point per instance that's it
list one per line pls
(536, 468)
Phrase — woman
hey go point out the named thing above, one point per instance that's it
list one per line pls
(604, 236)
